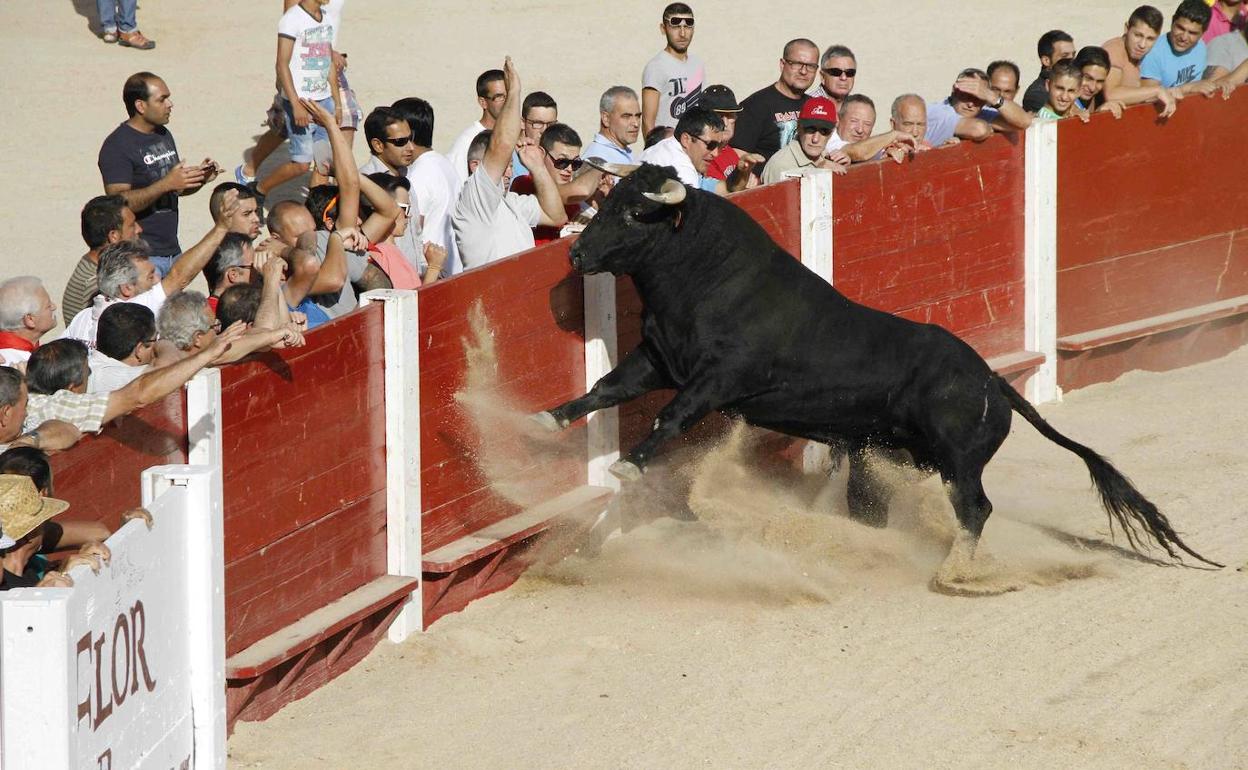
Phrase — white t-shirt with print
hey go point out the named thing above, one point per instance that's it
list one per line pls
(310, 60)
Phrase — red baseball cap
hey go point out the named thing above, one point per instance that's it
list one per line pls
(818, 111)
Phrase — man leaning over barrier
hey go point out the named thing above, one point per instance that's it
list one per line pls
(50, 435)
(189, 329)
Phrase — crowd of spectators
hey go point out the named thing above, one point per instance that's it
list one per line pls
(411, 216)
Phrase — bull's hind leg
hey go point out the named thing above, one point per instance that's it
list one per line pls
(634, 376)
(868, 496)
(972, 508)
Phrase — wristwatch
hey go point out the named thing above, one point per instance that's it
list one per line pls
(1000, 101)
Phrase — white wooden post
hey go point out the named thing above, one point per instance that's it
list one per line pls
(601, 356)
(817, 237)
(403, 504)
(205, 590)
(203, 419)
(126, 668)
(1040, 258)
(817, 243)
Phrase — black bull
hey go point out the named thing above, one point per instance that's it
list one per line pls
(733, 323)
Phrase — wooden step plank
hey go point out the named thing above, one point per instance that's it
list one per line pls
(581, 501)
(1011, 363)
(314, 628)
(1179, 319)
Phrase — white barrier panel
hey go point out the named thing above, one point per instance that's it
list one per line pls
(125, 669)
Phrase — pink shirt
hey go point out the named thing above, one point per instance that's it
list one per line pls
(1219, 24)
(394, 264)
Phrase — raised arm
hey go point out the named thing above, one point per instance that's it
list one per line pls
(192, 261)
(506, 129)
(273, 311)
(544, 186)
(380, 223)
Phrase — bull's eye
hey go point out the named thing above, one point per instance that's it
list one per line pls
(635, 213)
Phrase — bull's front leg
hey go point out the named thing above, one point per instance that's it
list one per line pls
(691, 404)
(634, 376)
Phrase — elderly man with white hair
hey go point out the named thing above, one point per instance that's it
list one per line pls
(126, 274)
(26, 314)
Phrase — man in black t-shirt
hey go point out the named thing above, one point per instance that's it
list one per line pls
(768, 119)
(139, 161)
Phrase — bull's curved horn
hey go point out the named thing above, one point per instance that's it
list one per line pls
(671, 193)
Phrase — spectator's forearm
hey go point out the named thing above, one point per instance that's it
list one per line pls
(548, 196)
(154, 385)
(192, 261)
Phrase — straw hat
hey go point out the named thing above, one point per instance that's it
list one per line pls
(21, 507)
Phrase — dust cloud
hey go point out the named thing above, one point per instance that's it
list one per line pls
(729, 521)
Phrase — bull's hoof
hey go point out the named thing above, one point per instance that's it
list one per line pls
(548, 422)
(625, 471)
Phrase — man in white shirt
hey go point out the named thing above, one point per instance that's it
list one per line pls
(491, 91)
(491, 223)
(695, 143)
(26, 314)
(125, 344)
(127, 275)
(435, 184)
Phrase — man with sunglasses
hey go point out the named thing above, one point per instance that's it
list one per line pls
(808, 149)
(769, 116)
(672, 81)
(392, 144)
(837, 70)
(691, 148)
(562, 146)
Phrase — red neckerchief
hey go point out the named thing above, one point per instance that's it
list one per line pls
(11, 340)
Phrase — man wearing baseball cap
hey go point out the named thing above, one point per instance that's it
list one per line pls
(808, 148)
(730, 165)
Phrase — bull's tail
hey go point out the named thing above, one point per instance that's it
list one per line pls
(1123, 503)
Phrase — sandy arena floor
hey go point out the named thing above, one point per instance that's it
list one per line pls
(776, 633)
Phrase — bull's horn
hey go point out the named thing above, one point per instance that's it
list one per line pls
(671, 193)
(614, 169)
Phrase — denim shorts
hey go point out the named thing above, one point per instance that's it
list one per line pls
(302, 139)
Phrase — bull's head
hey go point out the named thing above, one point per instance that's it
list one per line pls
(639, 212)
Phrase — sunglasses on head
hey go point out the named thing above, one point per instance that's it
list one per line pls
(837, 72)
(680, 21)
(563, 163)
(406, 208)
(817, 129)
(402, 141)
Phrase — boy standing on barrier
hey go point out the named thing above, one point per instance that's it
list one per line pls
(1126, 53)
(1063, 89)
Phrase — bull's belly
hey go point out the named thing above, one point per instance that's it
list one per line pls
(846, 415)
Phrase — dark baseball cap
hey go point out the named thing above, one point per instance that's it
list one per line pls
(719, 98)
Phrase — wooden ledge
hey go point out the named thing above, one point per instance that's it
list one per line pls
(318, 626)
(1012, 363)
(1146, 327)
(581, 501)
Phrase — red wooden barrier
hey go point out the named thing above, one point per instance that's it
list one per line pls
(939, 239)
(100, 476)
(534, 308)
(305, 503)
(1152, 240)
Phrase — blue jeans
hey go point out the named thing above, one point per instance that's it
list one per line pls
(302, 139)
(164, 264)
(117, 15)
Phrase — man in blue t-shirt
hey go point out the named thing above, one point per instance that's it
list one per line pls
(1178, 61)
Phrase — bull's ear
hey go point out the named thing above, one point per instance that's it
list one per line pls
(670, 194)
